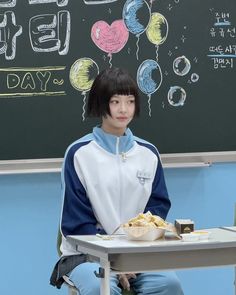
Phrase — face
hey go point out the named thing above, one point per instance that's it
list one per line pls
(122, 108)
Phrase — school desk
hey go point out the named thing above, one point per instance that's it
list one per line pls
(120, 255)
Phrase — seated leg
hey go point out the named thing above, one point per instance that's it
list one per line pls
(87, 283)
(157, 283)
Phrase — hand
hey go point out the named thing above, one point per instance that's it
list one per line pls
(124, 280)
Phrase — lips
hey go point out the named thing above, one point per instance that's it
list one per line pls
(122, 118)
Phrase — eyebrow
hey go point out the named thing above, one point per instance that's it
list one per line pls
(128, 96)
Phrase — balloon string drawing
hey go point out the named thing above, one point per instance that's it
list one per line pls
(82, 74)
(149, 105)
(110, 59)
(157, 52)
(110, 38)
(149, 79)
(137, 46)
(151, 3)
(131, 10)
(84, 104)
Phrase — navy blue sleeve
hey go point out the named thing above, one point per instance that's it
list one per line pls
(159, 202)
(77, 214)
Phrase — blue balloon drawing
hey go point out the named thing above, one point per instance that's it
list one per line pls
(145, 78)
(133, 24)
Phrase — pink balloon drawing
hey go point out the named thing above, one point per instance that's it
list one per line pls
(110, 38)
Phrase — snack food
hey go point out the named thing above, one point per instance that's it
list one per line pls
(145, 227)
(146, 219)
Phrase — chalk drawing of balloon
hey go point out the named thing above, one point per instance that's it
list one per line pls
(176, 96)
(157, 30)
(181, 66)
(136, 15)
(110, 38)
(149, 79)
(82, 74)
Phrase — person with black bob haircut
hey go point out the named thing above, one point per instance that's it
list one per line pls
(108, 177)
(107, 84)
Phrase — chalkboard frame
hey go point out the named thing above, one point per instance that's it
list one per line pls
(180, 160)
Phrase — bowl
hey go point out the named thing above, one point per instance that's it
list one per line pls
(143, 233)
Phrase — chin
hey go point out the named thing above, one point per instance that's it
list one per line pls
(122, 124)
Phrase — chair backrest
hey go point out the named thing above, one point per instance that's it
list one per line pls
(71, 287)
(59, 239)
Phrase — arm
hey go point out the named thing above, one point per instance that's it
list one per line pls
(77, 214)
(159, 202)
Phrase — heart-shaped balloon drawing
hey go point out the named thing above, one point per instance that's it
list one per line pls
(110, 38)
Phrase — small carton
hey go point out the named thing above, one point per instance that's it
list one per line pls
(184, 226)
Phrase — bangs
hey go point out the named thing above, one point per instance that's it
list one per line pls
(122, 85)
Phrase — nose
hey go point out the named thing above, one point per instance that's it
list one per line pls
(123, 107)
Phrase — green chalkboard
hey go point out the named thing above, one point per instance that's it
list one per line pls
(182, 52)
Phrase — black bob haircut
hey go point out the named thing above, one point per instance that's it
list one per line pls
(108, 83)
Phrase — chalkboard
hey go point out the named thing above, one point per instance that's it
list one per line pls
(182, 52)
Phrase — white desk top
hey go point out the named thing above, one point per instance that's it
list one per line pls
(224, 237)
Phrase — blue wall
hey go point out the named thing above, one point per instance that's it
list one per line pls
(29, 215)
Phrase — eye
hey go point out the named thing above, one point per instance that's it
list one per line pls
(131, 101)
(114, 101)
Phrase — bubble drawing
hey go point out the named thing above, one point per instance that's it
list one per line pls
(110, 38)
(181, 66)
(130, 13)
(194, 77)
(157, 30)
(149, 79)
(82, 74)
(176, 96)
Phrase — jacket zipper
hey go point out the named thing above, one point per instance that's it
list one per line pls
(120, 174)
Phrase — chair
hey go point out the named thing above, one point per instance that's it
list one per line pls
(71, 287)
(72, 290)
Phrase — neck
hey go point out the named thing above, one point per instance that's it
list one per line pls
(114, 131)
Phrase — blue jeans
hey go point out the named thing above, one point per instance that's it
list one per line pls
(150, 283)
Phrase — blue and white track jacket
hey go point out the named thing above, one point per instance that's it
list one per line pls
(107, 180)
